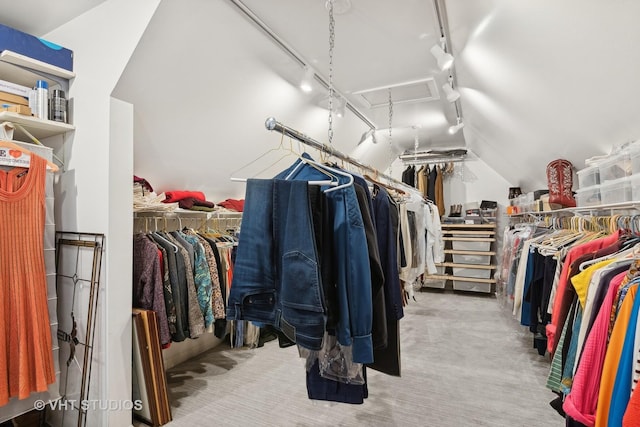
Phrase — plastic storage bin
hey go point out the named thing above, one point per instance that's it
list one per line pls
(635, 186)
(615, 167)
(471, 286)
(634, 158)
(471, 246)
(589, 196)
(478, 273)
(616, 191)
(588, 177)
(472, 259)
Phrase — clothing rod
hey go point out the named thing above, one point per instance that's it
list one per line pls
(272, 124)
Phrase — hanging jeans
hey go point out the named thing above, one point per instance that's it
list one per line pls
(276, 275)
(351, 261)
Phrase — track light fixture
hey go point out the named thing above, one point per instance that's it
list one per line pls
(445, 59)
(455, 128)
(451, 94)
(306, 84)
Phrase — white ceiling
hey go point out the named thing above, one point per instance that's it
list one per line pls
(539, 79)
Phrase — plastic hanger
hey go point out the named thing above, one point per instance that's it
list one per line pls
(13, 146)
(326, 170)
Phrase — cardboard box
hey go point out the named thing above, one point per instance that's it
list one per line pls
(20, 109)
(9, 98)
(34, 47)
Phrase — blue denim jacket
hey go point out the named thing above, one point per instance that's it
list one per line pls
(351, 258)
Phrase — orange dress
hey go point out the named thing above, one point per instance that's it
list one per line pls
(26, 356)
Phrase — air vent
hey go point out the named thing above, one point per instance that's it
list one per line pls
(414, 91)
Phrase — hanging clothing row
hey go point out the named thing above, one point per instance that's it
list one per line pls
(322, 264)
(429, 180)
(184, 276)
(575, 289)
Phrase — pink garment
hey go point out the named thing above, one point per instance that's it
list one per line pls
(572, 255)
(176, 196)
(581, 403)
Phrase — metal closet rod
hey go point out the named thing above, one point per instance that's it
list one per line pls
(272, 124)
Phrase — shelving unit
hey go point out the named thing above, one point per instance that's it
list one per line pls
(25, 71)
(469, 258)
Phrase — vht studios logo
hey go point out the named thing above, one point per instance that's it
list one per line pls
(86, 405)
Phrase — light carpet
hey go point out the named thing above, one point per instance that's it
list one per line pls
(465, 362)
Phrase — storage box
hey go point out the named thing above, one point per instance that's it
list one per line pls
(635, 186)
(634, 156)
(478, 273)
(616, 191)
(20, 109)
(588, 177)
(589, 196)
(35, 48)
(471, 286)
(472, 259)
(615, 167)
(471, 246)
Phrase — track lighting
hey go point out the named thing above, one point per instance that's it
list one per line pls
(450, 92)
(370, 133)
(445, 60)
(306, 84)
(455, 128)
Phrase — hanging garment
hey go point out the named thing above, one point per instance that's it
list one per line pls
(409, 176)
(560, 307)
(350, 260)
(26, 357)
(185, 275)
(379, 322)
(148, 290)
(431, 184)
(439, 190)
(612, 358)
(581, 403)
(182, 322)
(286, 294)
(387, 359)
(421, 179)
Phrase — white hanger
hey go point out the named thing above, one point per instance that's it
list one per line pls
(326, 169)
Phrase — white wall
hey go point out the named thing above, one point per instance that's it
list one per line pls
(94, 193)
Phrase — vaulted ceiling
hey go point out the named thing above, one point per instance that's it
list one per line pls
(539, 79)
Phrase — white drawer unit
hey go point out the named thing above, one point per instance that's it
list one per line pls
(469, 258)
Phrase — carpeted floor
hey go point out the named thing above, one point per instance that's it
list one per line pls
(465, 362)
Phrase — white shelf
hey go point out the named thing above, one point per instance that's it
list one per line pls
(583, 209)
(34, 64)
(37, 127)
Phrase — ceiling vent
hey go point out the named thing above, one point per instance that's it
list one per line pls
(415, 91)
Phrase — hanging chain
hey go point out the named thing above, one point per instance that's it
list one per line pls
(332, 38)
(390, 133)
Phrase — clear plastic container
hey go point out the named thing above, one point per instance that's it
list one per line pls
(635, 186)
(589, 196)
(634, 157)
(588, 177)
(616, 191)
(615, 167)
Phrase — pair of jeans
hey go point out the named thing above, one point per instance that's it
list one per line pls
(276, 275)
(350, 260)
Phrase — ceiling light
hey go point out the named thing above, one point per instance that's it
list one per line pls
(450, 92)
(306, 84)
(445, 60)
(455, 128)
